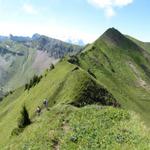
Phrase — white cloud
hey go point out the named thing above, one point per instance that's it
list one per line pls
(28, 8)
(123, 2)
(110, 12)
(109, 6)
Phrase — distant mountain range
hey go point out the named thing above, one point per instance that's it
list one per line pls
(79, 42)
(22, 57)
(76, 41)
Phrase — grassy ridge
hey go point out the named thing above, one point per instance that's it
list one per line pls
(104, 73)
(62, 85)
(120, 69)
(145, 45)
(65, 126)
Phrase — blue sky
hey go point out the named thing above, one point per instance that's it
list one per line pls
(75, 19)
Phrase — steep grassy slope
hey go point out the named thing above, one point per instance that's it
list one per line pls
(65, 126)
(81, 91)
(66, 84)
(145, 45)
(123, 67)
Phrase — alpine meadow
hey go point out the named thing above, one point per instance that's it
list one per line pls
(69, 81)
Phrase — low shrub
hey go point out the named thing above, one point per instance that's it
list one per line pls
(23, 121)
(73, 60)
(52, 67)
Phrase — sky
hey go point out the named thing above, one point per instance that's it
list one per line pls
(75, 19)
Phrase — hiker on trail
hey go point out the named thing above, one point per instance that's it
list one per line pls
(38, 110)
(45, 102)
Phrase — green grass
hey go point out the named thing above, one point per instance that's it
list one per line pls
(91, 127)
(119, 69)
(66, 126)
(145, 45)
(105, 73)
(62, 85)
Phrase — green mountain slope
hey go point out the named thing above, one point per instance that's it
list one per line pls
(145, 45)
(123, 67)
(64, 125)
(98, 99)
(63, 85)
